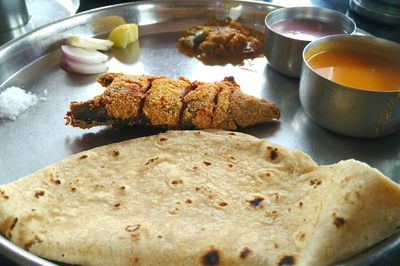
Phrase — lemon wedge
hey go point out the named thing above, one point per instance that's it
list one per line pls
(124, 34)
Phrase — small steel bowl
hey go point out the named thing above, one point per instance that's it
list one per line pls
(283, 53)
(347, 110)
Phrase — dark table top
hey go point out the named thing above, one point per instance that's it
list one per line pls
(382, 30)
(378, 29)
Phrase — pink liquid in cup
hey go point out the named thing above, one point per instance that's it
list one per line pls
(306, 29)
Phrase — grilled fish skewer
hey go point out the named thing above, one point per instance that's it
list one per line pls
(171, 103)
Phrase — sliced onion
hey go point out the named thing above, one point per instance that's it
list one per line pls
(89, 42)
(83, 68)
(82, 55)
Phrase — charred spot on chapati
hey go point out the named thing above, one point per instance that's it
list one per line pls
(256, 202)
(189, 201)
(211, 257)
(83, 157)
(286, 260)
(35, 240)
(176, 181)
(245, 253)
(39, 193)
(222, 204)
(150, 160)
(4, 195)
(273, 152)
(207, 163)
(338, 221)
(132, 228)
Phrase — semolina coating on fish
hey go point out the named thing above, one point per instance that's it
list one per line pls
(170, 103)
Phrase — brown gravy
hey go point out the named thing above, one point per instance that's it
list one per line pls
(221, 42)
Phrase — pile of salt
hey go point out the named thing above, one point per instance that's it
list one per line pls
(14, 101)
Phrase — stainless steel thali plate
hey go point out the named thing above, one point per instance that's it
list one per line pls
(39, 137)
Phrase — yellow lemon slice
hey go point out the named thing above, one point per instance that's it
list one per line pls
(124, 34)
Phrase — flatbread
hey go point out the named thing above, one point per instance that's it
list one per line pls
(199, 198)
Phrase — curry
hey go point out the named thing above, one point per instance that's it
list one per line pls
(221, 42)
(357, 69)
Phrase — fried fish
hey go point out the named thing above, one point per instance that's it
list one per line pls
(170, 103)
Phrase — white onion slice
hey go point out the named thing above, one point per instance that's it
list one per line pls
(82, 55)
(89, 42)
(83, 68)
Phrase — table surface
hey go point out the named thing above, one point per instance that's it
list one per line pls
(375, 28)
(389, 32)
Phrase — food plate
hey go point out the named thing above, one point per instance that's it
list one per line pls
(39, 137)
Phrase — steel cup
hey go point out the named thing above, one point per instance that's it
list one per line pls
(343, 109)
(284, 53)
(13, 14)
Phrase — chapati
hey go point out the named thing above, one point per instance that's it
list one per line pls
(199, 198)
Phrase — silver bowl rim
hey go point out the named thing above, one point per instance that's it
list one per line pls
(345, 36)
(267, 25)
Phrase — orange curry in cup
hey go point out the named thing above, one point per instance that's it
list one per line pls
(357, 69)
